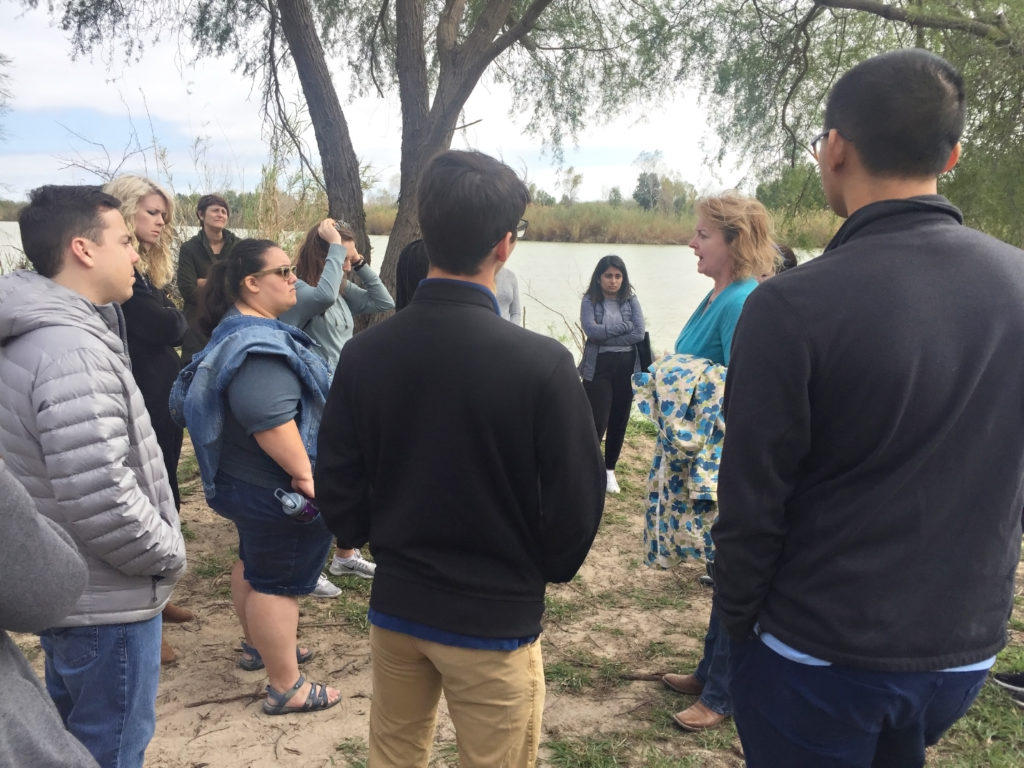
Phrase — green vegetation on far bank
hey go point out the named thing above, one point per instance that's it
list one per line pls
(601, 222)
(590, 222)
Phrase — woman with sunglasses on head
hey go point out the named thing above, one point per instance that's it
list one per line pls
(613, 322)
(327, 302)
(154, 327)
(733, 246)
(252, 400)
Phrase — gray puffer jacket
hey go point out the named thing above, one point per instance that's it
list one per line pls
(75, 431)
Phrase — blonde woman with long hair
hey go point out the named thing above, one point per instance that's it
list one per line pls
(153, 324)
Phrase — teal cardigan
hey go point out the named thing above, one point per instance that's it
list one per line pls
(708, 332)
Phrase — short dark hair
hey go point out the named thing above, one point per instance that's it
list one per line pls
(594, 289)
(468, 202)
(903, 111)
(57, 214)
(206, 201)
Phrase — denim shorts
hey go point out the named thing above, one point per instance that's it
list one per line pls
(282, 556)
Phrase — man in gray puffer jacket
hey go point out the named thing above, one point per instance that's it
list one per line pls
(75, 432)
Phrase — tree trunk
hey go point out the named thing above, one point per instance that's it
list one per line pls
(428, 128)
(337, 156)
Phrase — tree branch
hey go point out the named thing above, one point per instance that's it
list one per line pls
(997, 33)
(274, 102)
(381, 23)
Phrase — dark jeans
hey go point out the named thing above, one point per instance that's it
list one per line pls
(713, 669)
(799, 716)
(611, 396)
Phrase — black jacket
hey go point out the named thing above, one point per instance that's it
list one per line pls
(155, 327)
(194, 261)
(872, 478)
(463, 449)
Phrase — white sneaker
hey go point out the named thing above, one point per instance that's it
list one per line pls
(324, 588)
(352, 566)
(613, 485)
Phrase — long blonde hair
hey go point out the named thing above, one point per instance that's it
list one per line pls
(747, 228)
(155, 261)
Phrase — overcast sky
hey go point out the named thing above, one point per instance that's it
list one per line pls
(64, 115)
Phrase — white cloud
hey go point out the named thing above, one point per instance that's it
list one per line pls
(205, 98)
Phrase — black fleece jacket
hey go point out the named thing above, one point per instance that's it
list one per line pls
(872, 478)
(463, 449)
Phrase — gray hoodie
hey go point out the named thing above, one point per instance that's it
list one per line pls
(75, 432)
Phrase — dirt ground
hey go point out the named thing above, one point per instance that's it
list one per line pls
(609, 635)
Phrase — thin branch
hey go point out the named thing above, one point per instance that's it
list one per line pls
(380, 24)
(274, 101)
(997, 32)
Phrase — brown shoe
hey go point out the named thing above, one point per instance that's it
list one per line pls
(688, 684)
(175, 614)
(698, 718)
(167, 654)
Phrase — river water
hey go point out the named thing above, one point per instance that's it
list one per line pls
(553, 276)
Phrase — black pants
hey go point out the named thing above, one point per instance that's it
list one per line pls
(611, 396)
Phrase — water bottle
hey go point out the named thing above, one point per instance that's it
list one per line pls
(297, 506)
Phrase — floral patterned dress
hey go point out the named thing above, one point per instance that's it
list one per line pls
(682, 395)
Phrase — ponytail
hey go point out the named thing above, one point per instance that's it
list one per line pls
(224, 280)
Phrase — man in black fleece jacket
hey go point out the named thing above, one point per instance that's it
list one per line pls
(462, 448)
(872, 480)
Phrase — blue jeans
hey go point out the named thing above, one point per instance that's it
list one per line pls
(103, 680)
(713, 669)
(800, 716)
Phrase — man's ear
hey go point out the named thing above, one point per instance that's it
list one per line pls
(504, 248)
(836, 149)
(954, 158)
(79, 250)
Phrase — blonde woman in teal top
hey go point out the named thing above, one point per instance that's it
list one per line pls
(733, 246)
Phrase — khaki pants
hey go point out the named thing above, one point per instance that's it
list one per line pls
(495, 699)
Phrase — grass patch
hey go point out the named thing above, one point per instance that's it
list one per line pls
(566, 676)
(562, 611)
(187, 533)
(605, 752)
(649, 599)
(990, 735)
(349, 607)
(612, 517)
(640, 426)
(188, 470)
(215, 565)
(582, 670)
(446, 753)
(354, 751)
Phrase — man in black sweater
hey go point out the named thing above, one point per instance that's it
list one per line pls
(872, 480)
(462, 448)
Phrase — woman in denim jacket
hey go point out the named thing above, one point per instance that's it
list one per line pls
(252, 401)
(613, 323)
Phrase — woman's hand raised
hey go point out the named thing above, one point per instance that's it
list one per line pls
(328, 232)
